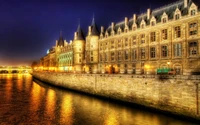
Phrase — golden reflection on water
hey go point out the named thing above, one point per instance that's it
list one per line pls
(111, 119)
(67, 110)
(50, 102)
(35, 97)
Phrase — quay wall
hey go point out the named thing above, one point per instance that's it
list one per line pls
(176, 94)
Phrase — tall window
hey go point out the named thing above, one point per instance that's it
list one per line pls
(119, 55)
(134, 54)
(91, 59)
(153, 36)
(164, 34)
(177, 31)
(134, 40)
(142, 38)
(126, 55)
(193, 12)
(142, 53)
(164, 51)
(152, 52)
(142, 26)
(177, 49)
(106, 57)
(112, 56)
(119, 43)
(112, 44)
(126, 41)
(193, 28)
(193, 48)
(101, 57)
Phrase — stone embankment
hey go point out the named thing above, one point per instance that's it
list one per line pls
(176, 94)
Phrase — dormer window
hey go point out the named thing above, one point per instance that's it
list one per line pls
(164, 20)
(134, 27)
(177, 16)
(126, 30)
(193, 9)
(142, 26)
(152, 23)
(119, 31)
(193, 12)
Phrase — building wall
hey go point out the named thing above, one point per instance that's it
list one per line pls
(113, 48)
(175, 94)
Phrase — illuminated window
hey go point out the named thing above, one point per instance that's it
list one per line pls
(126, 55)
(193, 48)
(164, 51)
(112, 44)
(134, 54)
(142, 53)
(126, 41)
(134, 40)
(192, 28)
(177, 31)
(177, 50)
(153, 36)
(152, 52)
(142, 38)
(164, 34)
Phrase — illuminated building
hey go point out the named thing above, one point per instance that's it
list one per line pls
(163, 38)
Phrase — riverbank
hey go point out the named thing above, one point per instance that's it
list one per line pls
(176, 94)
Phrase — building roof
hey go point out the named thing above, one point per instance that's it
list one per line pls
(157, 13)
(80, 35)
(94, 31)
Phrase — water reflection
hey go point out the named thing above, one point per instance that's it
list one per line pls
(23, 101)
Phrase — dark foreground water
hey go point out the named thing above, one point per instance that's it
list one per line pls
(23, 101)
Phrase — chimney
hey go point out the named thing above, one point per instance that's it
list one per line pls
(89, 30)
(185, 3)
(102, 29)
(134, 18)
(126, 21)
(112, 25)
(148, 13)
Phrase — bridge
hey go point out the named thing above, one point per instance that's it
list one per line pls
(12, 69)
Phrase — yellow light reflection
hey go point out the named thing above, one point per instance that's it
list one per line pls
(67, 110)
(50, 102)
(111, 119)
(35, 96)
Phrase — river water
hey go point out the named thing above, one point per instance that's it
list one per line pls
(24, 101)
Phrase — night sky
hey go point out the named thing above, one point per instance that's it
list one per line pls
(29, 27)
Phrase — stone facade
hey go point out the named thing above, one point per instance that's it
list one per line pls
(164, 38)
(176, 94)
